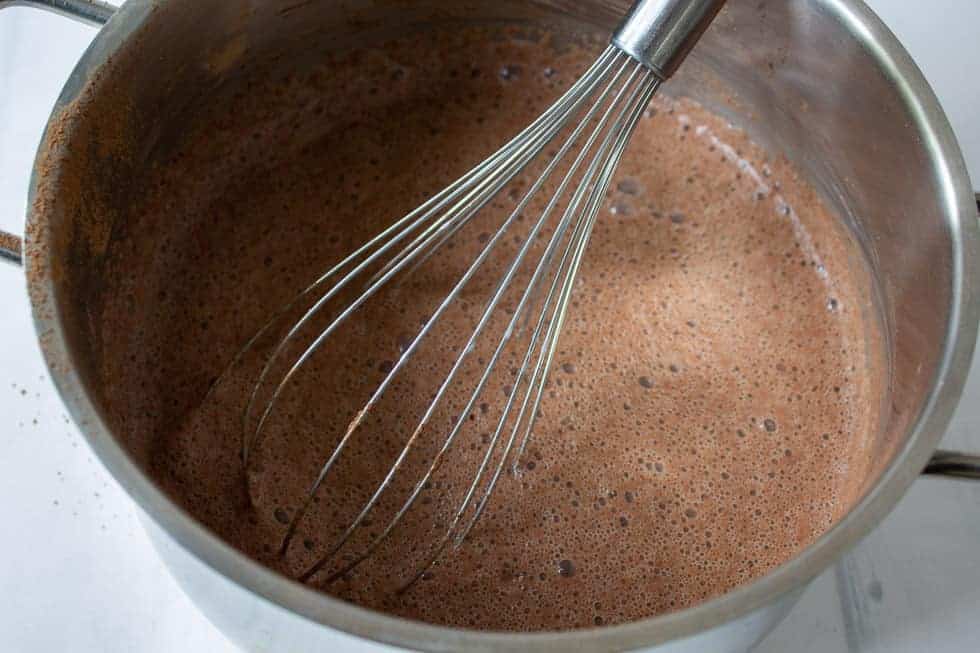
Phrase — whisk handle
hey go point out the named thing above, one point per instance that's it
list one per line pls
(660, 33)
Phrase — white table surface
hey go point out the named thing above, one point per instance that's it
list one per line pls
(78, 574)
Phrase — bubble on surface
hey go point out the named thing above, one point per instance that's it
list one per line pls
(566, 568)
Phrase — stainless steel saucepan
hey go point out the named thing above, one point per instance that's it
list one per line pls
(822, 81)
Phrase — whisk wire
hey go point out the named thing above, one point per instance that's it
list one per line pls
(555, 115)
(543, 264)
(479, 191)
(555, 325)
(609, 148)
(468, 347)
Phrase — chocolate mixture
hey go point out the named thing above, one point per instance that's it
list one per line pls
(712, 399)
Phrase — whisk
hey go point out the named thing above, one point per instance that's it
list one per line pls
(601, 110)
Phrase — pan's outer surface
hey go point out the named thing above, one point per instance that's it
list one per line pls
(836, 92)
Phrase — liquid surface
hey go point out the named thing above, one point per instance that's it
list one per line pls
(710, 403)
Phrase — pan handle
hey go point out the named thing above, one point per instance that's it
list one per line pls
(954, 464)
(10, 248)
(90, 12)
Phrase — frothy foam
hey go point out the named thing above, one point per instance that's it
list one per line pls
(710, 403)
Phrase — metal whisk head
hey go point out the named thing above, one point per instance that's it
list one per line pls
(579, 141)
